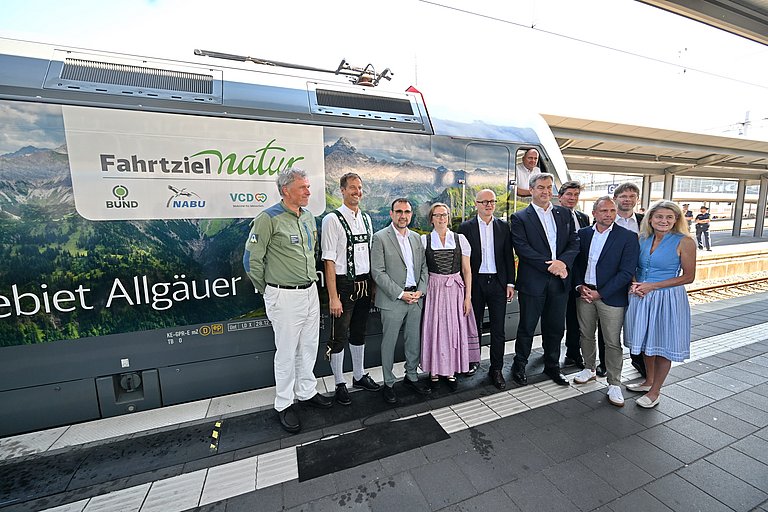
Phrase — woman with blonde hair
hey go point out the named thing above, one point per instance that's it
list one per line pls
(658, 319)
(449, 341)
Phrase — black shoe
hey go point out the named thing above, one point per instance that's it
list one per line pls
(576, 361)
(601, 371)
(319, 401)
(289, 420)
(366, 383)
(557, 377)
(453, 384)
(389, 395)
(417, 386)
(638, 363)
(472, 369)
(518, 375)
(342, 395)
(497, 379)
(434, 384)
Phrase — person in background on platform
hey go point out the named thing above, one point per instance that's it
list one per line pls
(525, 170)
(569, 197)
(493, 276)
(449, 341)
(702, 229)
(346, 243)
(546, 244)
(603, 272)
(399, 268)
(625, 196)
(688, 214)
(658, 320)
(279, 258)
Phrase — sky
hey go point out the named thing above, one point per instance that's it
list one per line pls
(608, 60)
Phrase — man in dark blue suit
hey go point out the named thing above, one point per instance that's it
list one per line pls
(603, 272)
(493, 275)
(546, 243)
(569, 198)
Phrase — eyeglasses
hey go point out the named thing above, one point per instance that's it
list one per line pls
(440, 215)
(403, 212)
(489, 202)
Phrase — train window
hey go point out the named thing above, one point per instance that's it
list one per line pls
(486, 166)
(528, 161)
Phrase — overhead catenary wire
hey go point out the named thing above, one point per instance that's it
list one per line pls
(592, 43)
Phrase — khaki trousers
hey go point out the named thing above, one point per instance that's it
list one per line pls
(611, 321)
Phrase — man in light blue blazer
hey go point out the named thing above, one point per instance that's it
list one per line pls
(399, 268)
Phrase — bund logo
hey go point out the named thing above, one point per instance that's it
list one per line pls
(183, 198)
(121, 192)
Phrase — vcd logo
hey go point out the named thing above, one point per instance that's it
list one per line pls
(182, 198)
(121, 192)
(247, 197)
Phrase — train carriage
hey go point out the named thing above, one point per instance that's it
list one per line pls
(126, 189)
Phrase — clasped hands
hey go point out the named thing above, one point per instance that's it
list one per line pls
(588, 295)
(411, 297)
(641, 289)
(558, 268)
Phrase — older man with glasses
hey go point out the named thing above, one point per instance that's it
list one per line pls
(493, 275)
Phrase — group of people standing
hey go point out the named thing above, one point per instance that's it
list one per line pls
(436, 288)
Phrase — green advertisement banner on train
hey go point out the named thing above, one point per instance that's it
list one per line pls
(121, 221)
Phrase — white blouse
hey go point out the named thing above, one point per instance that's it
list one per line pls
(450, 242)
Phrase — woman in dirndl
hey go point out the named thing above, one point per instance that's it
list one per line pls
(449, 340)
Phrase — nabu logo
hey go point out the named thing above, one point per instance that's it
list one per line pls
(183, 198)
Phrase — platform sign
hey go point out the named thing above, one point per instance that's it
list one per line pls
(611, 188)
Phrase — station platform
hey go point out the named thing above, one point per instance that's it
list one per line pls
(538, 447)
(725, 242)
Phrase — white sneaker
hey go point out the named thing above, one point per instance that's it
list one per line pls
(584, 376)
(615, 396)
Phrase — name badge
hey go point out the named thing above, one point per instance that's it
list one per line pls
(294, 239)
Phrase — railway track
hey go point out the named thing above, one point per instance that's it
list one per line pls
(728, 290)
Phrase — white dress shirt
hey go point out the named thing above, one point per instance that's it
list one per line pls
(523, 175)
(547, 219)
(407, 252)
(334, 241)
(595, 250)
(629, 223)
(487, 247)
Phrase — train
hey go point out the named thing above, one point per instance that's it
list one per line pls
(127, 184)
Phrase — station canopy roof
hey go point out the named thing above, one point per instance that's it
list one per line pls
(745, 18)
(599, 146)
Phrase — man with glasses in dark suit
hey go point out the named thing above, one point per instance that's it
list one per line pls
(493, 275)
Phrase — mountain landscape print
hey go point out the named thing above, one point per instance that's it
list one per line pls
(65, 277)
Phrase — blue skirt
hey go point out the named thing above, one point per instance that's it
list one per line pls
(659, 324)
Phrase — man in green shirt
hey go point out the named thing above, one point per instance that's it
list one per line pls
(279, 258)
